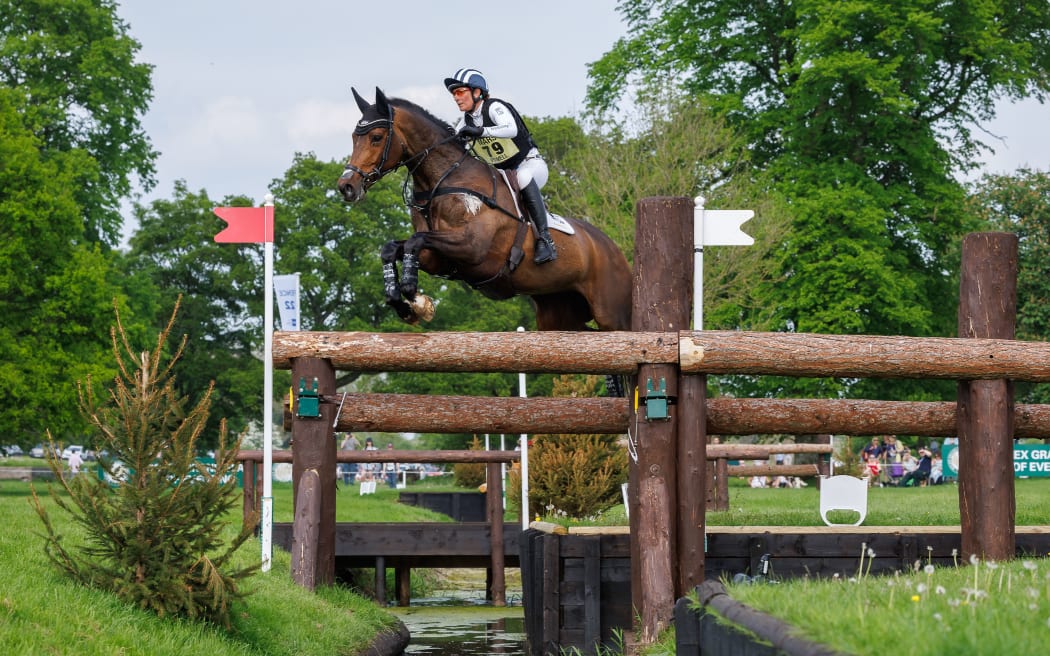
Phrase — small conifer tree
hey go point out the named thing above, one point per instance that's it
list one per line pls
(470, 474)
(574, 475)
(155, 529)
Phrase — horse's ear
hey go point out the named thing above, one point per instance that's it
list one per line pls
(362, 104)
(381, 103)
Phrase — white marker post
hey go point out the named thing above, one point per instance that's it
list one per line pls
(524, 459)
(267, 495)
(713, 228)
(254, 225)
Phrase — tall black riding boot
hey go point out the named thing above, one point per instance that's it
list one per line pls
(545, 250)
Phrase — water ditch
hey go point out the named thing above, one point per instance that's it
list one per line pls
(460, 622)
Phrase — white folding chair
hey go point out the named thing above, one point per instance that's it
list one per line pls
(843, 493)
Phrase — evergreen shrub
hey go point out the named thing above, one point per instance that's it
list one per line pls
(575, 476)
(155, 525)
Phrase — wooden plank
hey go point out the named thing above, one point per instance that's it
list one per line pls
(494, 498)
(613, 352)
(550, 637)
(762, 451)
(773, 470)
(863, 356)
(592, 594)
(427, 413)
(307, 525)
(445, 456)
(687, 628)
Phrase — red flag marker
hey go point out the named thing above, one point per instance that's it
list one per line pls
(246, 225)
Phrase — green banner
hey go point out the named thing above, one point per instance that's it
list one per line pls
(1030, 460)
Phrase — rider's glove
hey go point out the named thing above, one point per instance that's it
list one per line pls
(470, 132)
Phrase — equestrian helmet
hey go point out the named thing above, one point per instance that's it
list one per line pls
(467, 77)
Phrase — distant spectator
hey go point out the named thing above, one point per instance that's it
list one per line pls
(390, 468)
(75, 462)
(873, 470)
(349, 469)
(890, 458)
(921, 473)
(759, 481)
(936, 470)
(872, 449)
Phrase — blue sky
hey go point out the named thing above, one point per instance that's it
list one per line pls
(240, 86)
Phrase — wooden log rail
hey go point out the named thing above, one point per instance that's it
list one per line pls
(708, 352)
(423, 413)
(508, 352)
(863, 356)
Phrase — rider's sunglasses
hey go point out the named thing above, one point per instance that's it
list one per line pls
(461, 91)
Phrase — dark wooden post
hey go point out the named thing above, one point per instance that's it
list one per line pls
(248, 482)
(313, 450)
(662, 287)
(692, 481)
(988, 309)
(494, 508)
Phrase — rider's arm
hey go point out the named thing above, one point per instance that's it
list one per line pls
(505, 127)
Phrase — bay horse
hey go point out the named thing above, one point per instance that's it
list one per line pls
(469, 227)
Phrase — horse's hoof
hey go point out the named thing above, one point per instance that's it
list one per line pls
(423, 307)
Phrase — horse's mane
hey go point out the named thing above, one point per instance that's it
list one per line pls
(435, 121)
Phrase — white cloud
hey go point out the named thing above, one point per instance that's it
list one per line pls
(317, 120)
(226, 121)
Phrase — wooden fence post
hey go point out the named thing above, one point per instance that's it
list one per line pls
(662, 285)
(313, 450)
(988, 309)
(494, 510)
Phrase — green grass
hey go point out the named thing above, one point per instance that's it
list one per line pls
(987, 608)
(351, 506)
(936, 505)
(43, 612)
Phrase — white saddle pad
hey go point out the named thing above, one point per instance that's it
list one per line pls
(559, 223)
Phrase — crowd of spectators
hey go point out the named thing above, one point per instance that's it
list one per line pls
(889, 463)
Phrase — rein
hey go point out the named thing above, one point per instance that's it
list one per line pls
(418, 200)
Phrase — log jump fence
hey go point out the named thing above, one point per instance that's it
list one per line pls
(669, 474)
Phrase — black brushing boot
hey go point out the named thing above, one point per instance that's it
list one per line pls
(545, 249)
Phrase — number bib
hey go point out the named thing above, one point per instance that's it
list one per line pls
(495, 150)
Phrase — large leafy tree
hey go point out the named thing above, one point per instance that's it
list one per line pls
(54, 292)
(862, 114)
(1020, 203)
(674, 147)
(70, 141)
(75, 62)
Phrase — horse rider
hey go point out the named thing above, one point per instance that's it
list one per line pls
(502, 139)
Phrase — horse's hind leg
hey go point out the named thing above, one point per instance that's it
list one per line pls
(389, 254)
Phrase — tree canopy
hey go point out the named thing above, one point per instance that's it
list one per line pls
(75, 63)
(861, 113)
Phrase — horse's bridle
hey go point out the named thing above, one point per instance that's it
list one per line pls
(365, 126)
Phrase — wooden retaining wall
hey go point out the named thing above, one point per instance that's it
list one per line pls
(577, 587)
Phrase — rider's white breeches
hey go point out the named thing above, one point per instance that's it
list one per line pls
(533, 168)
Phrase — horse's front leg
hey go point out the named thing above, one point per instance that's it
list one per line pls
(389, 254)
(422, 307)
